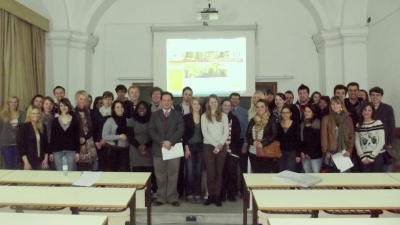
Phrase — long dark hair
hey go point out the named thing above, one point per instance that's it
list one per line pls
(66, 102)
(312, 96)
(373, 116)
(316, 111)
(97, 99)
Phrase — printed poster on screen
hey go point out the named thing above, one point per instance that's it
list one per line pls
(212, 65)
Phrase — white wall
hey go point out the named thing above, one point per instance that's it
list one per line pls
(284, 38)
(384, 50)
(285, 44)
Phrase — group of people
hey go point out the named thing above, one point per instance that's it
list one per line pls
(218, 136)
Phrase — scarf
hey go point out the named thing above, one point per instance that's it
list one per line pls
(277, 114)
(260, 122)
(47, 120)
(105, 111)
(342, 135)
(121, 125)
(315, 124)
(142, 119)
(85, 125)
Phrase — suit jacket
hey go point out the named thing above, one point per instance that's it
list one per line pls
(27, 145)
(160, 131)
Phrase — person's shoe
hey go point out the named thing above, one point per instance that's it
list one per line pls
(175, 204)
(218, 202)
(209, 200)
(231, 198)
(158, 203)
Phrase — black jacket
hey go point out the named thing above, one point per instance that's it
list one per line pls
(236, 142)
(270, 132)
(290, 140)
(61, 139)
(27, 144)
(98, 121)
(129, 111)
(189, 128)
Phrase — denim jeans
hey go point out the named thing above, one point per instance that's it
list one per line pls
(194, 169)
(287, 161)
(70, 155)
(312, 165)
(11, 157)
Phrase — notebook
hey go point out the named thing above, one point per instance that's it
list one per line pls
(301, 179)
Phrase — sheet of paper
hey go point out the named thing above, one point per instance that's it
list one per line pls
(87, 179)
(342, 162)
(176, 151)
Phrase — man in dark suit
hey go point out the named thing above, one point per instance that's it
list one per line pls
(166, 129)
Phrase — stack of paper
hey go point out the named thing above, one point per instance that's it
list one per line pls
(301, 179)
(87, 179)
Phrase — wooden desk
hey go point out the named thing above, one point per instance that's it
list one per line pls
(109, 179)
(394, 175)
(5, 172)
(58, 177)
(38, 177)
(327, 199)
(258, 180)
(333, 221)
(329, 180)
(70, 197)
(59, 219)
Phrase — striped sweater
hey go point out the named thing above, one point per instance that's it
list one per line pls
(370, 139)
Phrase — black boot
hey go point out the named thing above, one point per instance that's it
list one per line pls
(210, 200)
(218, 202)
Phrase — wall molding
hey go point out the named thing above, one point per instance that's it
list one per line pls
(73, 39)
(340, 36)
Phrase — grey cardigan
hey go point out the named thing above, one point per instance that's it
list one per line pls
(109, 135)
(8, 134)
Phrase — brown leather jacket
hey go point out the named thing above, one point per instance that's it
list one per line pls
(328, 139)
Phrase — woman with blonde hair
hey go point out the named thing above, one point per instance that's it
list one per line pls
(337, 131)
(10, 117)
(215, 130)
(192, 141)
(262, 131)
(33, 141)
(88, 151)
(253, 104)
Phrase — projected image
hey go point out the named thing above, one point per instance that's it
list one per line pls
(207, 65)
(206, 70)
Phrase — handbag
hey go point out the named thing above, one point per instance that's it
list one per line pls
(329, 168)
(387, 158)
(272, 150)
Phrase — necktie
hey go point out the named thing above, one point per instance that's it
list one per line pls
(166, 113)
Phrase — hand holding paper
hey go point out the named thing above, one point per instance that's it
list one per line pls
(175, 151)
(341, 161)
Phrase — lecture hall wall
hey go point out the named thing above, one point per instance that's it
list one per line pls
(321, 43)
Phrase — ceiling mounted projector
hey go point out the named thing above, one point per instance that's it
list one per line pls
(208, 14)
